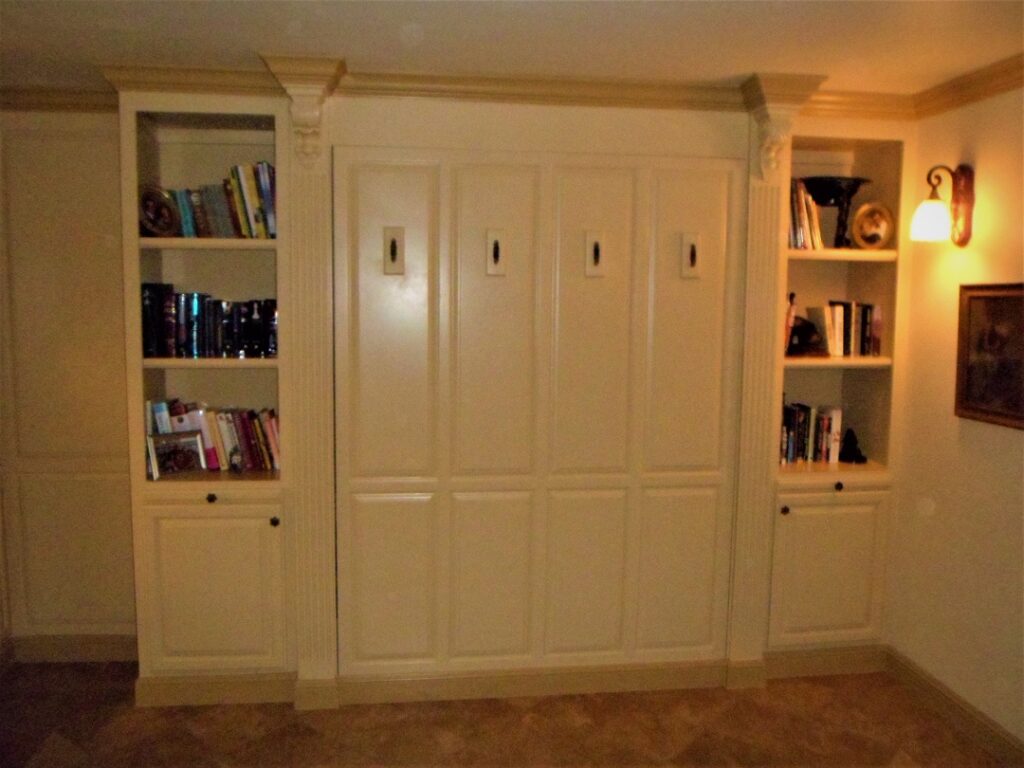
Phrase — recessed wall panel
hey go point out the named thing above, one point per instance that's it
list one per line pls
(491, 570)
(394, 367)
(75, 535)
(586, 549)
(393, 590)
(677, 568)
(683, 398)
(592, 322)
(496, 209)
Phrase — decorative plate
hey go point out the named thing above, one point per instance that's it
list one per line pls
(873, 226)
(158, 213)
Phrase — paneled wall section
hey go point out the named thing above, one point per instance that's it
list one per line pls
(533, 417)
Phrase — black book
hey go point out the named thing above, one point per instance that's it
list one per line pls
(169, 339)
(181, 325)
(153, 318)
(270, 326)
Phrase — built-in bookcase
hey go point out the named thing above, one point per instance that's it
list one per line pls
(861, 385)
(176, 142)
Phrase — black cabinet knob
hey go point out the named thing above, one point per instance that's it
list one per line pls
(784, 510)
(275, 521)
(839, 485)
(211, 497)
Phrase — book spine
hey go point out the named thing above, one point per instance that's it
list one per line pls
(263, 177)
(213, 430)
(266, 419)
(233, 197)
(244, 439)
(270, 326)
(200, 215)
(181, 324)
(262, 444)
(229, 437)
(198, 419)
(169, 338)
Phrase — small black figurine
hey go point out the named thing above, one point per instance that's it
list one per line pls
(850, 453)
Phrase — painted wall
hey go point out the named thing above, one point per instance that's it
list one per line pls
(67, 522)
(957, 549)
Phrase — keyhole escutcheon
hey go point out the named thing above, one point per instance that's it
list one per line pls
(393, 250)
(693, 254)
(496, 252)
(597, 254)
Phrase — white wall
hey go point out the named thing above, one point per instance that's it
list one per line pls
(67, 524)
(957, 591)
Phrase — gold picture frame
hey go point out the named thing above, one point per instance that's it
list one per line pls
(873, 226)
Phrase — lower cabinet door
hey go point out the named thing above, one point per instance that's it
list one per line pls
(827, 568)
(212, 591)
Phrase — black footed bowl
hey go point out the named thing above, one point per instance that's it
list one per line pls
(833, 190)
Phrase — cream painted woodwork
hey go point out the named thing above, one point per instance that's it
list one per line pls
(828, 568)
(212, 570)
(66, 507)
(508, 497)
(216, 581)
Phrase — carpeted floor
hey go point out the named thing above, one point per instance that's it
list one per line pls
(59, 716)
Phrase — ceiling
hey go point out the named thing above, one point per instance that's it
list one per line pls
(879, 46)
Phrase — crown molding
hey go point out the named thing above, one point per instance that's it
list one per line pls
(1002, 76)
(769, 90)
(305, 71)
(860, 104)
(51, 100)
(308, 82)
(653, 94)
(226, 81)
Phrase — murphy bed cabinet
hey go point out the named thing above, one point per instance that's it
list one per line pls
(209, 544)
(830, 518)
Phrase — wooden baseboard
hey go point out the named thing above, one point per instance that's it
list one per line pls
(812, 662)
(545, 682)
(201, 690)
(35, 649)
(961, 715)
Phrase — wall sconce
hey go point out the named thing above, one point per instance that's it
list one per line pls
(933, 221)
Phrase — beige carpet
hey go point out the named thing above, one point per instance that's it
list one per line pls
(76, 715)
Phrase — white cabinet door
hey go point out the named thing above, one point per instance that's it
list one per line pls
(215, 593)
(827, 568)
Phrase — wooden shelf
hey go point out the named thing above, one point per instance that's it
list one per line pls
(207, 243)
(841, 254)
(211, 363)
(204, 476)
(838, 362)
(811, 475)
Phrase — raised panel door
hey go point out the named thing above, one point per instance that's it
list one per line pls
(592, 320)
(216, 595)
(494, 350)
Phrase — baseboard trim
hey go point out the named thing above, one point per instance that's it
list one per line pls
(545, 682)
(202, 690)
(813, 662)
(316, 694)
(37, 649)
(961, 715)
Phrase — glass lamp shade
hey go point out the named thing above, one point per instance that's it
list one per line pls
(931, 222)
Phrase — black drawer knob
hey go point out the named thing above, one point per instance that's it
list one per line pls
(784, 510)
(211, 497)
(839, 485)
(275, 521)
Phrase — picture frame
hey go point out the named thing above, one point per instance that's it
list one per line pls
(990, 354)
(176, 452)
(158, 212)
(873, 226)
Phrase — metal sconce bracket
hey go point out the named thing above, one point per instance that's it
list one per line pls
(961, 204)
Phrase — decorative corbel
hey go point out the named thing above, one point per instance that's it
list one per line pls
(773, 101)
(308, 83)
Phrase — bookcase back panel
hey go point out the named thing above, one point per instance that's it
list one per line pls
(226, 275)
(251, 389)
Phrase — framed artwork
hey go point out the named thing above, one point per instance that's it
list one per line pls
(175, 452)
(990, 354)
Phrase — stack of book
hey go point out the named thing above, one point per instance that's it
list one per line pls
(805, 220)
(242, 205)
(810, 434)
(848, 328)
(176, 324)
(193, 436)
